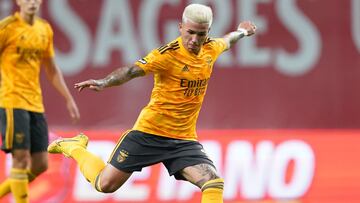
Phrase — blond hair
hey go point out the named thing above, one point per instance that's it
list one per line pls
(198, 13)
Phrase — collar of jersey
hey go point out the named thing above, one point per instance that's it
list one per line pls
(17, 16)
(186, 52)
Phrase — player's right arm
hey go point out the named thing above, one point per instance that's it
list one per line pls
(117, 77)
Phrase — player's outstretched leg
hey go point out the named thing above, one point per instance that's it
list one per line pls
(90, 165)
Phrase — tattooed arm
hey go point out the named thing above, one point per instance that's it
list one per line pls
(117, 77)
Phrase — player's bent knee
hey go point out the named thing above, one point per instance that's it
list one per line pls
(40, 169)
(105, 185)
(20, 162)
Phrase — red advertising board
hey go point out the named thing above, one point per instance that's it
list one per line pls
(302, 166)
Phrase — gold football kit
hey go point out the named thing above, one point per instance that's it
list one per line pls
(22, 47)
(180, 82)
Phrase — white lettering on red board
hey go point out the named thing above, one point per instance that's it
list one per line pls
(134, 39)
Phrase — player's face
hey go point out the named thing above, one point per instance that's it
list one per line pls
(29, 7)
(193, 35)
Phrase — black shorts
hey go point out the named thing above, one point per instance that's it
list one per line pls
(21, 129)
(136, 150)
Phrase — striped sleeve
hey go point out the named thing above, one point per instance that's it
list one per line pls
(153, 62)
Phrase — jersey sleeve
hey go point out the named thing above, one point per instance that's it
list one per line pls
(153, 62)
(49, 52)
(3, 33)
(219, 45)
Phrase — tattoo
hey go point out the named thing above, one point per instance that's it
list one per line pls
(135, 71)
(204, 169)
(122, 75)
(203, 172)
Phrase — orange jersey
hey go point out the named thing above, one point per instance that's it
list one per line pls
(180, 83)
(22, 48)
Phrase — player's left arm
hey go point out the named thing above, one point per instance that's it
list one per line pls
(245, 28)
(56, 78)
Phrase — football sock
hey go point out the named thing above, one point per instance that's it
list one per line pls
(212, 191)
(90, 165)
(19, 185)
(5, 185)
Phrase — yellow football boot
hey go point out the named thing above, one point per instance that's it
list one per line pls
(67, 145)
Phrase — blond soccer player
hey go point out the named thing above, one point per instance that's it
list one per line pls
(26, 42)
(165, 130)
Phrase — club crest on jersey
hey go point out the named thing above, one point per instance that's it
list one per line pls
(208, 60)
(122, 156)
(143, 61)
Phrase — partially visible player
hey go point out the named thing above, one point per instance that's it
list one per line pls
(166, 128)
(26, 43)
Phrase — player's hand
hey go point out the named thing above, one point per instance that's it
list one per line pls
(73, 110)
(96, 85)
(248, 26)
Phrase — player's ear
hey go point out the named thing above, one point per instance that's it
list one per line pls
(180, 26)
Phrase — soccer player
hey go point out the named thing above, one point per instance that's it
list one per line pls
(26, 43)
(165, 130)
